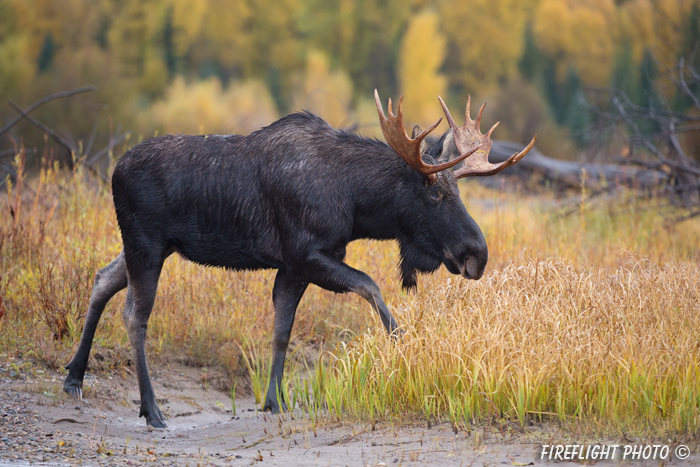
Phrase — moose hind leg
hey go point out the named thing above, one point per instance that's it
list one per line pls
(286, 295)
(108, 281)
(139, 304)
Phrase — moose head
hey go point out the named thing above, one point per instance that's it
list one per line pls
(450, 235)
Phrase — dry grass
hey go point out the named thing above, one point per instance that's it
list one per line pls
(541, 340)
(590, 317)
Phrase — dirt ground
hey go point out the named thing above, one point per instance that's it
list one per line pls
(39, 425)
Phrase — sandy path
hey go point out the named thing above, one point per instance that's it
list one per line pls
(39, 425)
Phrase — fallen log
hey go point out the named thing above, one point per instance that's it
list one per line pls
(569, 174)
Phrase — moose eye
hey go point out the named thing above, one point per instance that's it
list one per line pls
(435, 197)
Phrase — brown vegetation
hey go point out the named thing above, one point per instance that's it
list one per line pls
(588, 317)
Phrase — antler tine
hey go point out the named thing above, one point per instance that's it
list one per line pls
(409, 148)
(467, 113)
(488, 133)
(477, 122)
(380, 109)
(469, 140)
(482, 167)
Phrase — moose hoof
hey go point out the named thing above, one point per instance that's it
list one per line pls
(156, 425)
(274, 408)
(73, 390)
(154, 419)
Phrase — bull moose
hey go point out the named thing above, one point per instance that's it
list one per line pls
(290, 197)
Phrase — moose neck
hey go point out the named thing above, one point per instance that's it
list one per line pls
(383, 197)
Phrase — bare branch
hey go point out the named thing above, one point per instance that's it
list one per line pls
(687, 187)
(683, 85)
(9, 170)
(686, 217)
(49, 98)
(91, 141)
(71, 149)
(13, 152)
(673, 138)
(688, 128)
(648, 144)
(107, 149)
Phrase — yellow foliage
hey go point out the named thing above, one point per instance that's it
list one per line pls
(241, 35)
(580, 34)
(32, 19)
(366, 118)
(135, 25)
(422, 54)
(15, 69)
(488, 38)
(658, 26)
(205, 107)
(188, 18)
(323, 91)
(224, 33)
(155, 75)
(397, 45)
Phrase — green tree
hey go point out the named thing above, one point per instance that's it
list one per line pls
(532, 61)
(690, 52)
(577, 117)
(691, 31)
(46, 55)
(648, 74)
(624, 76)
(169, 54)
(552, 90)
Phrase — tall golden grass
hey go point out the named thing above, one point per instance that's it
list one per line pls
(592, 316)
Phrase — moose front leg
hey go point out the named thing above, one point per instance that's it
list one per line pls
(286, 295)
(334, 275)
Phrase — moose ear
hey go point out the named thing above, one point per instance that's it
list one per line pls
(441, 150)
(417, 130)
(447, 145)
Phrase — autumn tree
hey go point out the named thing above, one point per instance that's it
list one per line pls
(662, 27)
(205, 106)
(422, 54)
(484, 42)
(578, 34)
(322, 90)
(361, 36)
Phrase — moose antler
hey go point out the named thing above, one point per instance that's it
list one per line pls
(468, 139)
(408, 148)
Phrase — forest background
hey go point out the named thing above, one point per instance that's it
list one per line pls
(232, 66)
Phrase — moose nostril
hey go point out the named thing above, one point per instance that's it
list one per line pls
(474, 269)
